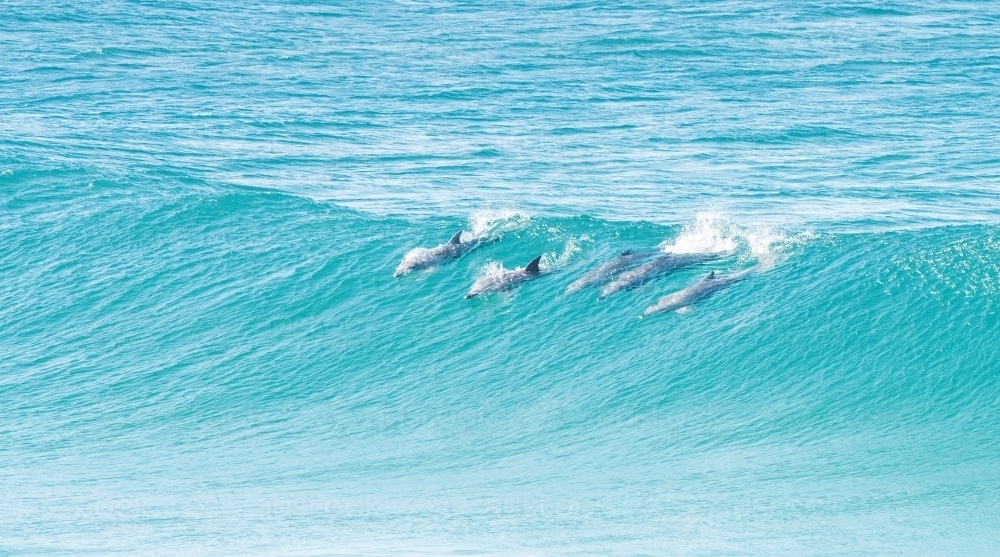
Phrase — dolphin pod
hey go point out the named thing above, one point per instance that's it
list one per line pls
(602, 274)
(422, 258)
(661, 265)
(506, 280)
(627, 270)
(705, 287)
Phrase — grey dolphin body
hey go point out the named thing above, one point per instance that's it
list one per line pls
(422, 258)
(506, 281)
(602, 274)
(707, 286)
(662, 265)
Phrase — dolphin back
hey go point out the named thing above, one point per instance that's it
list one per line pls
(708, 285)
(423, 258)
(607, 270)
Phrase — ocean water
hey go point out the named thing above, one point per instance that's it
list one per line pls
(203, 349)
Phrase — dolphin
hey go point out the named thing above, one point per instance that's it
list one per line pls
(661, 265)
(707, 286)
(505, 281)
(422, 258)
(602, 274)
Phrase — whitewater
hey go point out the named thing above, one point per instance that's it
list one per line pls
(204, 349)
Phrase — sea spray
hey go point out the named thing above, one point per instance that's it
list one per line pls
(485, 227)
(494, 223)
(715, 232)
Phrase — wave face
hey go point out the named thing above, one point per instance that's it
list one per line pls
(203, 347)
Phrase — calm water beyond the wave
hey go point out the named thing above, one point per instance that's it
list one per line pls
(203, 349)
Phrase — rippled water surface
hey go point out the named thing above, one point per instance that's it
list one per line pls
(203, 349)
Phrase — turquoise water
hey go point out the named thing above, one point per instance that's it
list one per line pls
(203, 349)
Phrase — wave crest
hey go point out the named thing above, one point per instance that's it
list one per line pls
(713, 232)
(494, 223)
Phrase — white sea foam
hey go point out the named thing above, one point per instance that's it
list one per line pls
(552, 260)
(486, 225)
(493, 223)
(713, 232)
(490, 275)
(416, 257)
(709, 233)
(491, 269)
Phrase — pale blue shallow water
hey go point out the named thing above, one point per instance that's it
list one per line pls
(203, 349)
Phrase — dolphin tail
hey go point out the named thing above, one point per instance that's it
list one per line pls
(457, 238)
(532, 268)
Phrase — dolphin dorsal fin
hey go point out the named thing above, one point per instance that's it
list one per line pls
(457, 238)
(532, 268)
(627, 252)
(711, 275)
